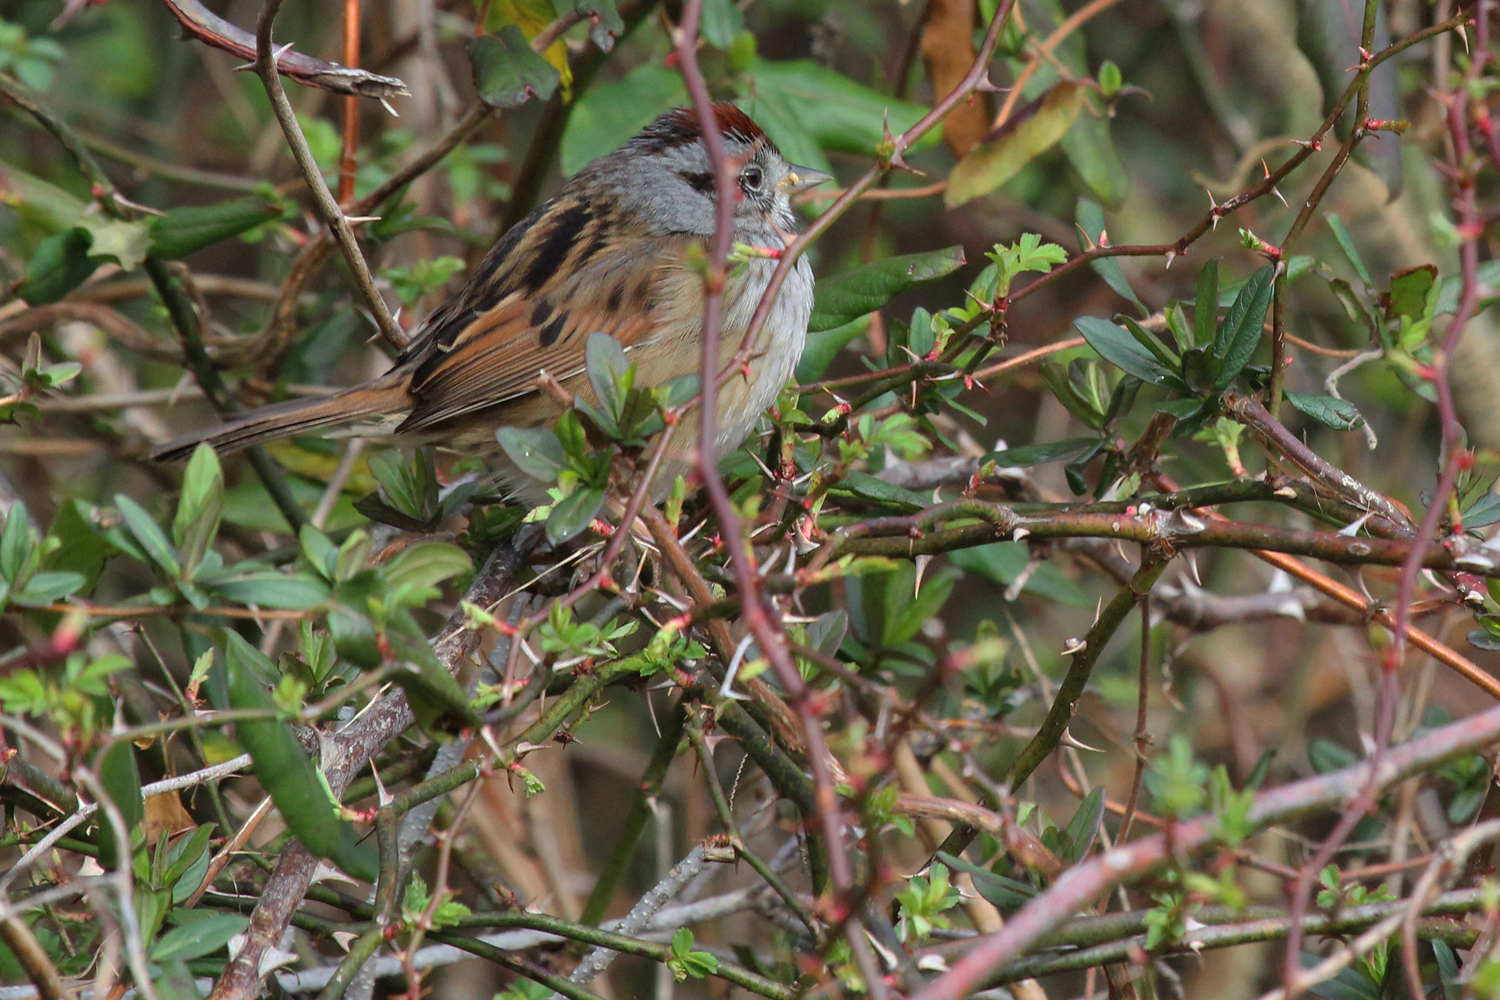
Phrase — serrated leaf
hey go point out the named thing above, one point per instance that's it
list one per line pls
(1240, 333)
(1340, 414)
(845, 297)
(1028, 135)
(507, 73)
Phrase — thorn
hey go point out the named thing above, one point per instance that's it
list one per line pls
(277, 53)
(1171, 256)
(387, 105)
(985, 86)
(355, 220)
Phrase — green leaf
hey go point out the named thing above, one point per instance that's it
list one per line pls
(1240, 333)
(1090, 149)
(1484, 511)
(184, 230)
(1331, 411)
(60, 264)
(1037, 454)
(608, 371)
(145, 531)
(1006, 893)
(269, 588)
(1004, 562)
(572, 514)
(1090, 218)
(284, 769)
(44, 588)
(841, 299)
(1488, 278)
(991, 164)
(200, 508)
(16, 544)
(822, 347)
(425, 565)
(507, 73)
(605, 117)
(833, 111)
(1206, 309)
(605, 23)
(536, 451)
(1115, 344)
(38, 202)
(117, 772)
(1084, 826)
(864, 486)
(721, 22)
(197, 938)
(1409, 290)
(1346, 244)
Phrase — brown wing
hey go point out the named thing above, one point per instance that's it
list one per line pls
(556, 278)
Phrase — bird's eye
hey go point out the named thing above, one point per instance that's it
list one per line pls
(751, 179)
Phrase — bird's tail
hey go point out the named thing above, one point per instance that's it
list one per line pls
(298, 416)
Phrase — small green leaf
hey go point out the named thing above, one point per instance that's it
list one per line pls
(572, 514)
(1038, 454)
(183, 230)
(1115, 344)
(1206, 308)
(200, 508)
(845, 297)
(1346, 244)
(60, 264)
(1409, 288)
(1240, 333)
(150, 537)
(536, 451)
(721, 23)
(197, 938)
(121, 779)
(507, 73)
(1339, 414)
(1090, 217)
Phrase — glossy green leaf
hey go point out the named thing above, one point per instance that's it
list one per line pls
(1206, 308)
(1240, 333)
(425, 565)
(1115, 344)
(536, 451)
(45, 587)
(991, 164)
(845, 297)
(863, 486)
(573, 513)
(507, 73)
(184, 230)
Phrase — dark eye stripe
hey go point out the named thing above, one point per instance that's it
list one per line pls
(703, 183)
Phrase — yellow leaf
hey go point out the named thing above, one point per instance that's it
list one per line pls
(997, 161)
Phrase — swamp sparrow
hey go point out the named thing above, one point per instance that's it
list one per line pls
(606, 255)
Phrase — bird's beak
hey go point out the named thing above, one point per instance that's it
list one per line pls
(802, 178)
